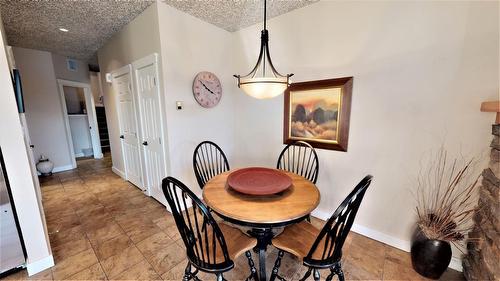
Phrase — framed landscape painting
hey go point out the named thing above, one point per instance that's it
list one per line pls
(318, 112)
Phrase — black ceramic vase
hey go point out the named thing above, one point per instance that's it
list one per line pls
(430, 258)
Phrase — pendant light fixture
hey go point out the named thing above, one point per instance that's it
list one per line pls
(264, 81)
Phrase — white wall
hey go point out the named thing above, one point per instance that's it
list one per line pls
(188, 46)
(43, 106)
(81, 74)
(29, 210)
(421, 70)
(74, 98)
(136, 40)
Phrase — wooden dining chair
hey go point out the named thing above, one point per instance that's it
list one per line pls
(210, 247)
(299, 157)
(208, 161)
(321, 249)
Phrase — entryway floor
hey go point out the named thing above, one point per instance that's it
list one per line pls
(102, 227)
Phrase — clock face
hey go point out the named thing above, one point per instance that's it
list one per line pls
(207, 89)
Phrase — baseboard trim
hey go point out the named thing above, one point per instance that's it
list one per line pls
(118, 172)
(40, 265)
(79, 155)
(382, 237)
(456, 263)
(62, 168)
(59, 169)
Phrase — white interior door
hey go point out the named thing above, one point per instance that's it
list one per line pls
(148, 96)
(129, 134)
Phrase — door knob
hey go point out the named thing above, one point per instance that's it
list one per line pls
(144, 143)
(122, 137)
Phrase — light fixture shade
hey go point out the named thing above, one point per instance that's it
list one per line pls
(264, 81)
(264, 87)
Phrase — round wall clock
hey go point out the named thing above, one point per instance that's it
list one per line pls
(207, 89)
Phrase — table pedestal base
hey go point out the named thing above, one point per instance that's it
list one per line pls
(264, 237)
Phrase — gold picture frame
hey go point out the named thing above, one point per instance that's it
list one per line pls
(318, 112)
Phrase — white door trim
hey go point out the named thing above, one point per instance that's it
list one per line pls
(94, 132)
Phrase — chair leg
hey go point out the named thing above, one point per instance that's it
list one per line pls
(308, 273)
(330, 276)
(276, 267)
(332, 273)
(187, 273)
(253, 270)
(339, 272)
(220, 277)
(316, 275)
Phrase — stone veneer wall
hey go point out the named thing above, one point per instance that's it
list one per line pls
(482, 261)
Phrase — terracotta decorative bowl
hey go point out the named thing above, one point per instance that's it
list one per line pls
(259, 181)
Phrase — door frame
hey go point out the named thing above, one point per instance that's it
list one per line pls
(114, 74)
(91, 114)
(152, 59)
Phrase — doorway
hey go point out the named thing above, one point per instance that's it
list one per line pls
(80, 118)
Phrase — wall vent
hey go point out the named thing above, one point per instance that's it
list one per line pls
(72, 65)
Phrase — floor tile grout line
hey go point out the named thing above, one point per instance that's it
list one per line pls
(98, 261)
(93, 246)
(135, 245)
(86, 237)
(146, 259)
(385, 262)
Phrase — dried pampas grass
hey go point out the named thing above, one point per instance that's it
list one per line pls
(446, 197)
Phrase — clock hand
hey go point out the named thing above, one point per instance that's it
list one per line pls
(207, 88)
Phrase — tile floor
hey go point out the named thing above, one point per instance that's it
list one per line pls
(102, 227)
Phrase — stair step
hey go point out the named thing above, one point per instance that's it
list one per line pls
(103, 128)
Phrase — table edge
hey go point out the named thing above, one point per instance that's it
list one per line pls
(263, 222)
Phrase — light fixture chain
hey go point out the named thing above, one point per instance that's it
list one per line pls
(265, 26)
(265, 14)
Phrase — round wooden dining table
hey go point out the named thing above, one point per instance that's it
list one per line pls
(262, 213)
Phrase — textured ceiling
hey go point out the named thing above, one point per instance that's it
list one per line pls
(35, 23)
(233, 15)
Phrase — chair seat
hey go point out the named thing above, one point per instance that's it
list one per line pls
(237, 242)
(297, 239)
